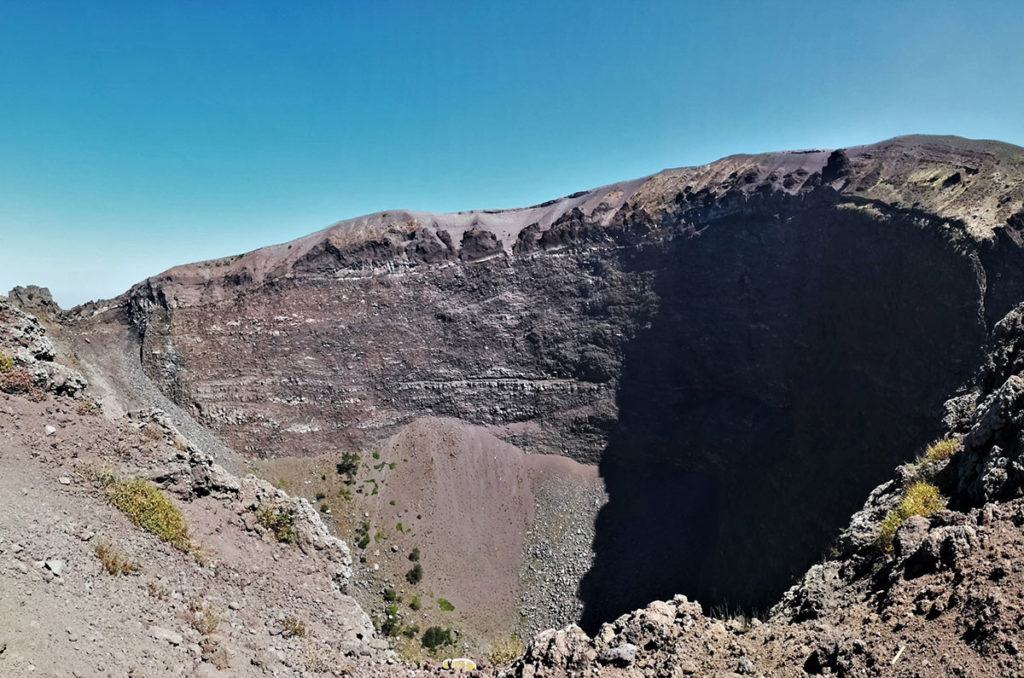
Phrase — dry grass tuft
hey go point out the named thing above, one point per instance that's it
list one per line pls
(152, 431)
(920, 499)
(88, 408)
(504, 651)
(293, 628)
(157, 590)
(205, 618)
(114, 560)
(941, 449)
(16, 381)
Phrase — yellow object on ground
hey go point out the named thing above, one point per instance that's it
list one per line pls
(460, 663)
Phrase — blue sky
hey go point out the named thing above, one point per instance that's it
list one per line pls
(139, 135)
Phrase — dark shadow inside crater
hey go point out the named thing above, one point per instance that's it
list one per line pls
(791, 364)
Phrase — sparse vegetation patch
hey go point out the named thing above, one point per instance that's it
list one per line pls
(279, 520)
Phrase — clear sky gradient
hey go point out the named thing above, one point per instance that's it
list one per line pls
(139, 135)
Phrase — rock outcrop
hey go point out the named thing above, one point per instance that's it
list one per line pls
(24, 341)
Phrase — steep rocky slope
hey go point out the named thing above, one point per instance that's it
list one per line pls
(744, 348)
(945, 601)
(218, 606)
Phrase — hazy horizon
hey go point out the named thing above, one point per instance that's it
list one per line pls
(135, 137)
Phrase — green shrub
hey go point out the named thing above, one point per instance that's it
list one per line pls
(320, 496)
(390, 625)
(435, 637)
(445, 605)
(415, 555)
(6, 362)
(391, 596)
(149, 508)
(415, 575)
(279, 520)
(415, 603)
(363, 533)
(920, 499)
(348, 466)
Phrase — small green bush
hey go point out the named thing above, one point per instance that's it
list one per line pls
(6, 362)
(920, 499)
(414, 556)
(445, 605)
(279, 520)
(415, 603)
(391, 596)
(348, 466)
(149, 508)
(320, 496)
(435, 637)
(415, 575)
